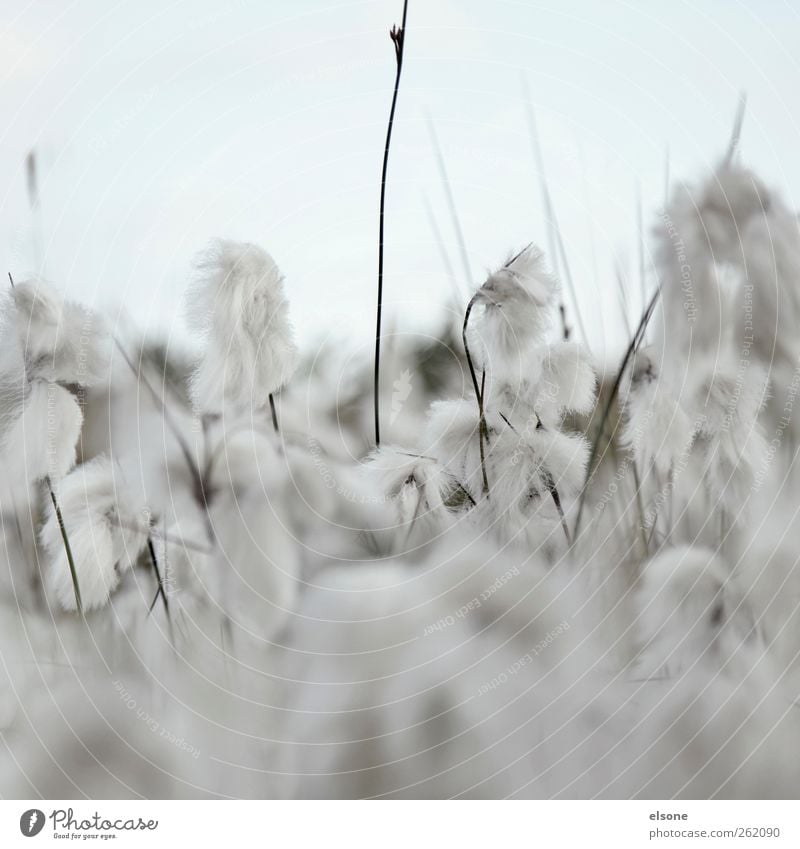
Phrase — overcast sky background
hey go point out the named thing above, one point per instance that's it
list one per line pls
(158, 125)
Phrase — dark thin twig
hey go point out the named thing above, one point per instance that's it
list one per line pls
(478, 393)
(632, 348)
(466, 492)
(67, 547)
(274, 413)
(154, 560)
(11, 280)
(553, 490)
(398, 37)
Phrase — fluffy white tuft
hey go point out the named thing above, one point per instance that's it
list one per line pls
(656, 427)
(527, 470)
(568, 383)
(518, 299)
(237, 303)
(107, 532)
(422, 492)
(39, 440)
(451, 437)
(732, 437)
(690, 610)
(61, 342)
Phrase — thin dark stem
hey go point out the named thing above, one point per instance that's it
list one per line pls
(11, 280)
(466, 492)
(398, 39)
(154, 560)
(67, 547)
(553, 490)
(274, 413)
(482, 429)
(565, 328)
(638, 336)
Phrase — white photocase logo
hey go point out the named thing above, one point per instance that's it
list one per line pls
(401, 389)
(31, 822)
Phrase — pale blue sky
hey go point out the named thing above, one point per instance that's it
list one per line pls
(158, 125)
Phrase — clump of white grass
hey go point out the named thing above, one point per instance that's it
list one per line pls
(388, 620)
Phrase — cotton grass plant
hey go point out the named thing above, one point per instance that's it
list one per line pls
(564, 578)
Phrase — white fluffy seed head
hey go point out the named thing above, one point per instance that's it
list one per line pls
(106, 530)
(568, 383)
(60, 341)
(40, 438)
(699, 241)
(526, 468)
(236, 302)
(518, 299)
(690, 610)
(452, 437)
(423, 493)
(734, 446)
(728, 200)
(656, 427)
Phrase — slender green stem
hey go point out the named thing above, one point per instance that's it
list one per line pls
(398, 39)
(67, 547)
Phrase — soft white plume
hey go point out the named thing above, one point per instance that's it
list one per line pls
(568, 383)
(41, 432)
(528, 469)
(698, 236)
(451, 436)
(689, 611)
(106, 530)
(518, 300)
(656, 427)
(237, 304)
(422, 492)
(60, 341)
(731, 435)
